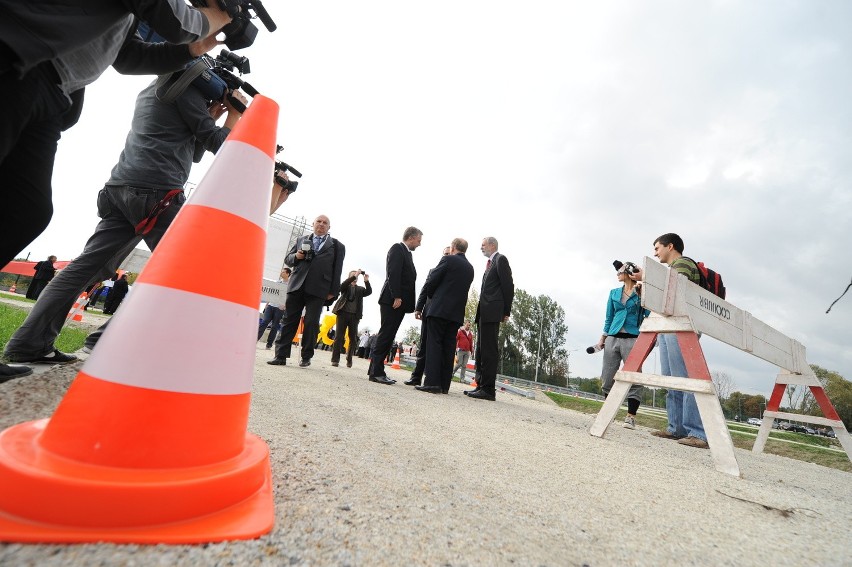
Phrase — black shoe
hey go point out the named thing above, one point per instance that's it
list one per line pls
(447, 391)
(430, 389)
(304, 363)
(55, 357)
(469, 392)
(277, 362)
(413, 381)
(11, 372)
(348, 364)
(333, 364)
(482, 395)
(382, 380)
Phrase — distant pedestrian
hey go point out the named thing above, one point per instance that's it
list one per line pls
(464, 346)
(44, 272)
(116, 295)
(273, 313)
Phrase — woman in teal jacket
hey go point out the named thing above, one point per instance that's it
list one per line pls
(624, 316)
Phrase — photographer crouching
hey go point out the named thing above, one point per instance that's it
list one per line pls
(139, 202)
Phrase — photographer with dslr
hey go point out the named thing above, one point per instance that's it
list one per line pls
(624, 316)
(139, 202)
(349, 310)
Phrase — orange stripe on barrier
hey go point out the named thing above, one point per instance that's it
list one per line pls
(258, 133)
(219, 241)
(145, 429)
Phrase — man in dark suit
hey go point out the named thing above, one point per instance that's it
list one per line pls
(495, 306)
(395, 300)
(317, 262)
(446, 287)
(420, 364)
(349, 310)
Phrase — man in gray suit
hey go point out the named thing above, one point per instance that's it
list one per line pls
(495, 306)
(395, 300)
(317, 262)
(446, 287)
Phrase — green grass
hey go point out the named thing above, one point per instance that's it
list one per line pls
(812, 450)
(70, 339)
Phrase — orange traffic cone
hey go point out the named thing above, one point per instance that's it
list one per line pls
(149, 445)
(76, 313)
(396, 362)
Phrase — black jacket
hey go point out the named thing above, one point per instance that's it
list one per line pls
(360, 293)
(400, 279)
(447, 288)
(497, 293)
(319, 276)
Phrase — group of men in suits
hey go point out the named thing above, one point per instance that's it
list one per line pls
(317, 261)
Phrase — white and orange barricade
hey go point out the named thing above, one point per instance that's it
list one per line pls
(686, 309)
(150, 445)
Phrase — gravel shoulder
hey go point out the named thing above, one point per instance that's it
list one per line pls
(366, 474)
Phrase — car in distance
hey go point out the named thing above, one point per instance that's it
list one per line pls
(754, 421)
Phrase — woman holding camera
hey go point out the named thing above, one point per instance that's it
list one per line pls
(624, 316)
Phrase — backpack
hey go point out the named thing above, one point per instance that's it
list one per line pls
(709, 280)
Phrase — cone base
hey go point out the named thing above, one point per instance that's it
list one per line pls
(47, 499)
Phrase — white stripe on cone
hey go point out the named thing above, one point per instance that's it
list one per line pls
(178, 341)
(238, 167)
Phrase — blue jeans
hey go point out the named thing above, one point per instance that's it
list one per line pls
(684, 419)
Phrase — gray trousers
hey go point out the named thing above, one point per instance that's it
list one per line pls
(615, 352)
(462, 356)
(121, 208)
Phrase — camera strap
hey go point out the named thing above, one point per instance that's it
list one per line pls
(145, 226)
(185, 79)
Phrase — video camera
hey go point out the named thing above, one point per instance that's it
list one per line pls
(280, 169)
(240, 33)
(214, 77)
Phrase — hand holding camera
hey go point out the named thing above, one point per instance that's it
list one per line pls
(306, 252)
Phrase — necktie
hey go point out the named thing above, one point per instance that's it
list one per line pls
(488, 265)
(317, 242)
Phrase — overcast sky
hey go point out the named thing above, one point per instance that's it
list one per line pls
(573, 132)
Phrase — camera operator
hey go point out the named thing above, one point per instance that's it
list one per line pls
(47, 58)
(139, 202)
(349, 310)
(624, 316)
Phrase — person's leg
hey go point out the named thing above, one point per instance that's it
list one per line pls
(265, 320)
(671, 364)
(448, 344)
(391, 319)
(289, 325)
(277, 314)
(29, 132)
(352, 330)
(464, 356)
(313, 311)
(339, 336)
(434, 355)
(488, 340)
(611, 364)
(112, 241)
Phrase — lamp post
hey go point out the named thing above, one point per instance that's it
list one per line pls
(538, 354)
(568, 367)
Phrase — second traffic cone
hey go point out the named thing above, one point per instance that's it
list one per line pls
(396, 362)
(76, 313)
(149, 445)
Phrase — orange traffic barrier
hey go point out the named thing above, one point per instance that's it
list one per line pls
(76, 313)
(149, 445)
(396, 362)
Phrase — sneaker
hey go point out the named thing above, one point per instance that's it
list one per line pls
(694, 442)
(629, 422)
(665, 434)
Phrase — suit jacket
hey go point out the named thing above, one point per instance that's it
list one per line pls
(319, 277)
(497, 293)
(447, 287)
(400, 278)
